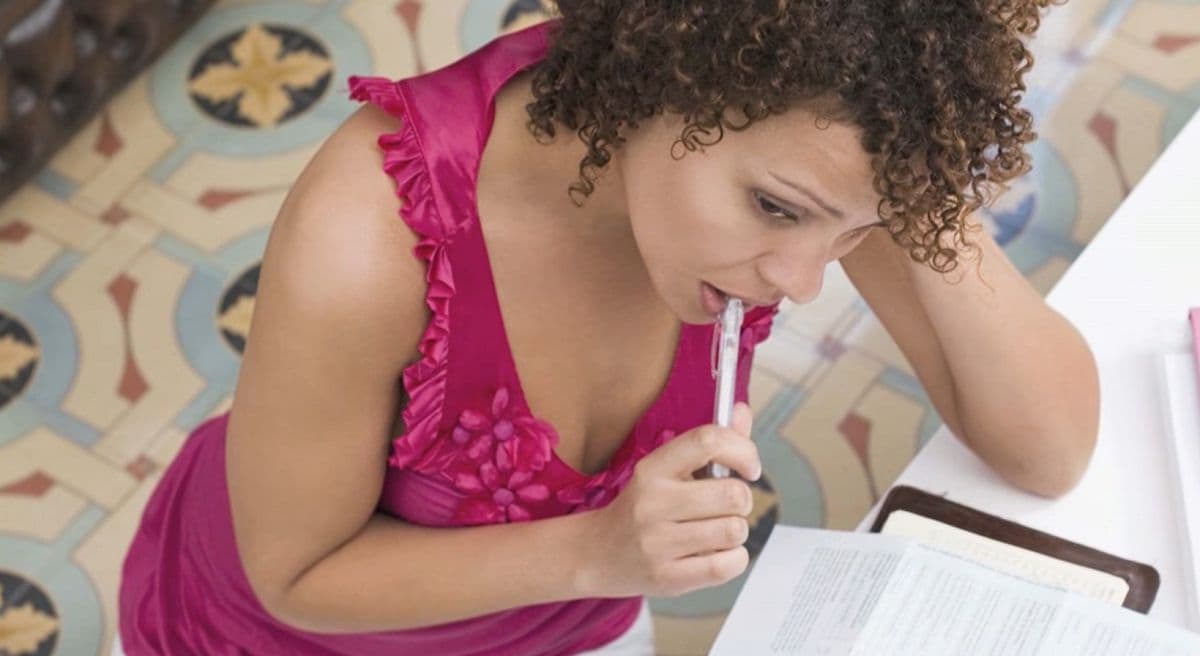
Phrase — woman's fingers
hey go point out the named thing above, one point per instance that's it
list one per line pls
(708, 498)
(706, 570)
(708, 535)
(700, 446)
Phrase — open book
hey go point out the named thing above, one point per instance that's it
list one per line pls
(815, 591)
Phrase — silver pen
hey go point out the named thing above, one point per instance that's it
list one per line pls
(726, 347)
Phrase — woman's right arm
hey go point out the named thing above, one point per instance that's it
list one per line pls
(340, 312)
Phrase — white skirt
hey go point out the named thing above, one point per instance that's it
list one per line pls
(637, 641)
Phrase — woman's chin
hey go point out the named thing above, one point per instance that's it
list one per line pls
(692, 313)
(686, 307)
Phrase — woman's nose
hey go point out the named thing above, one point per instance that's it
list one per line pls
(808, 288)
(801, 282)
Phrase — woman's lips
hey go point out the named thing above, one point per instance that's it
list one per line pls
(713, 299)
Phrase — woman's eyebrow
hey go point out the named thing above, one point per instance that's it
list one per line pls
(838, 214)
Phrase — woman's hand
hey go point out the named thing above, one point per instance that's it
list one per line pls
(668, 533)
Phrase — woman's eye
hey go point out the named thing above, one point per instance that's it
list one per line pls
(773, 209)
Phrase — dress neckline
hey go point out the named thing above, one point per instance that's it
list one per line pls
(505, 347)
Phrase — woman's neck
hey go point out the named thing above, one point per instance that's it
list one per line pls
(538, 174)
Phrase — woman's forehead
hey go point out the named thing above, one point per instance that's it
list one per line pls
(802, 140)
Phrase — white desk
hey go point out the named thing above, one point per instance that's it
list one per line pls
(1127, 293)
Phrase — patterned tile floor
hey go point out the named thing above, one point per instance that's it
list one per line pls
(128, 270)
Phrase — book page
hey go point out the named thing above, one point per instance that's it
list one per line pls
(942, 605)
(1007, 558)
(829, 592)
(1086, 626)
(810, 592)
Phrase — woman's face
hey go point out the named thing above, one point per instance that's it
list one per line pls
(757, 216)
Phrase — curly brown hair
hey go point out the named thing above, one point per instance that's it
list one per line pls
(934, 86)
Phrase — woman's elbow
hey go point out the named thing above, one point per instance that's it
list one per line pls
(1056, 471)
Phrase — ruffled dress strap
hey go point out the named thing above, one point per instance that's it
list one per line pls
(404, 161)
(756, 327)
(433, 158)
(404, 156)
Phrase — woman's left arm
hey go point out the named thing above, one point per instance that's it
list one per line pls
(1010, 376)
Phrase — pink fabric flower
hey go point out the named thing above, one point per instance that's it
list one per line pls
(513, 441)
(497, 496)
(500, 456)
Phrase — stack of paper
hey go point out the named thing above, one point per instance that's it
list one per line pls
(824, 592)
(1181, 407)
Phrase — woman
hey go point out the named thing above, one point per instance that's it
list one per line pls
(488, 448)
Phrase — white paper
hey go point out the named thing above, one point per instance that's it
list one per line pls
(827, 593)
(1087, 626)
(795, 605)
(1181, 408)
(940, 604)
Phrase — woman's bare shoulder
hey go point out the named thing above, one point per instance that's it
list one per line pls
(340, 231)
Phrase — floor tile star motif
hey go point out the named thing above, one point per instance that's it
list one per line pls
(260, 76)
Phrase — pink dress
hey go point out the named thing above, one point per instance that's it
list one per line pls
(472, 452)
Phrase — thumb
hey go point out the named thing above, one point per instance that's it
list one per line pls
(742, 420)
